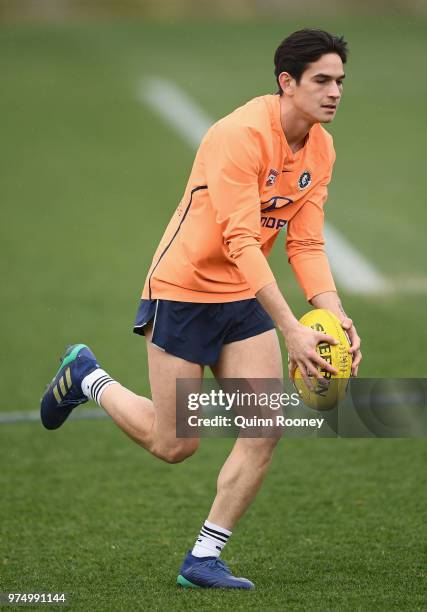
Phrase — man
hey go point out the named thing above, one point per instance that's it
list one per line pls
(210, 297)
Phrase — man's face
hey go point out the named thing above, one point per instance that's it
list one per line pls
(319, 91)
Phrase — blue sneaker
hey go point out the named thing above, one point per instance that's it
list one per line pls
(209, 573)
(64, 392)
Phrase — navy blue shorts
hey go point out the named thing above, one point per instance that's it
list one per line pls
(196, 332)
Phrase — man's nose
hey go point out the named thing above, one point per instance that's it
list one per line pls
(334, 91)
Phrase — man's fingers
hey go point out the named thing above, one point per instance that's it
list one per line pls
(354, 346)
(357, 359)
(326, 338)
(312, 371)
(305, 376)
(323, 364)
(292, 366)
(347, 323)
(355, 342)
(356, 362)
(306, 371)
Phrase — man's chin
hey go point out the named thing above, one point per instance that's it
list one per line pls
(323, 118)
(327, 117)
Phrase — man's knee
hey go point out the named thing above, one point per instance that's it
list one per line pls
(179, 450)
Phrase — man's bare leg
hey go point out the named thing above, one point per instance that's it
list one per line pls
(152, 423)
(241, 475)
(245, 468)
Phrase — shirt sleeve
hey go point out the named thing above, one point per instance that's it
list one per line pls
(305, 245)
(233, 163)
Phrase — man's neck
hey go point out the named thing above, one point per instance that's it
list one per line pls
(295, 126)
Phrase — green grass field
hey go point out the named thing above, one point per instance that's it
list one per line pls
(89, 176)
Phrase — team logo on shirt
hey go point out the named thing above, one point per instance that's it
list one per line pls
(274, 203)
(272, 176)
(304, 180)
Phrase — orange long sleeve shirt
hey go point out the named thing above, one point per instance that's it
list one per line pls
(244, 187)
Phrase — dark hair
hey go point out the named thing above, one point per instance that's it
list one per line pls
(304, 47)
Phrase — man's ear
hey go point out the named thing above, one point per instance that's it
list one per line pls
(287, 83)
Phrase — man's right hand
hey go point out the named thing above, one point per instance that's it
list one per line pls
(301, 343)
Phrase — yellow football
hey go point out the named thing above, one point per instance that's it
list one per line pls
(326, 396)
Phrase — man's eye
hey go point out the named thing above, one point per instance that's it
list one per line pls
(340, 83)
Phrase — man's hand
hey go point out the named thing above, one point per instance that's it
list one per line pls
(347, 325)
(301, 343)
(332, 302)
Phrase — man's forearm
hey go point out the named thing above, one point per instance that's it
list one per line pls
(331, 301)
(273, 302)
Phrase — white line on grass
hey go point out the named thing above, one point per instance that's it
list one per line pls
(172, 104)
(33, 416)
(351, 269)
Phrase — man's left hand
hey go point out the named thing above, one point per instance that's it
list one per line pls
(347, 325)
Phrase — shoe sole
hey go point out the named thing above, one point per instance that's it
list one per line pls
(186, 583)
(181, 581)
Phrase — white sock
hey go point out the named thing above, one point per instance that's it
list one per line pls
(211, 540)
(95, 383)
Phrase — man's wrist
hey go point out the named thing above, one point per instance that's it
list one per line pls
(274, 303)
(330, 301)
(287, 324)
